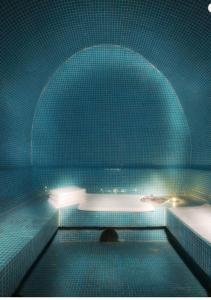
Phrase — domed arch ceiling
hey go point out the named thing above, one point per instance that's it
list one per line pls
(108, 106)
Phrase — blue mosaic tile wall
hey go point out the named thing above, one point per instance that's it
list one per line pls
(110, 107)
(191, 183)
(199, 181)
(124, 235)
(16, 188)
(196, 247)
(104, 180)
(38, 37)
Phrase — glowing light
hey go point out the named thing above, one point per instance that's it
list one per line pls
(209, 7)
(174, 200)
(67, 196)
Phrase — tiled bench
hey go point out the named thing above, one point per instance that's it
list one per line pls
(23, 235)
(192, 229)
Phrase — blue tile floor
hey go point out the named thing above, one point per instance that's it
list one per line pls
(128, 268)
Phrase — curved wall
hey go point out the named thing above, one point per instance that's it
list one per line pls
(107, 106)
(39, 36)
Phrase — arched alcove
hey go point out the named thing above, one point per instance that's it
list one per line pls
(108, 106)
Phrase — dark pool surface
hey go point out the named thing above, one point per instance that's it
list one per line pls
(137, 266)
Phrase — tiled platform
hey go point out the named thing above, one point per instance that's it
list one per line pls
(190, 236)
(72, 217)
(137, 266)
(23, 235)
